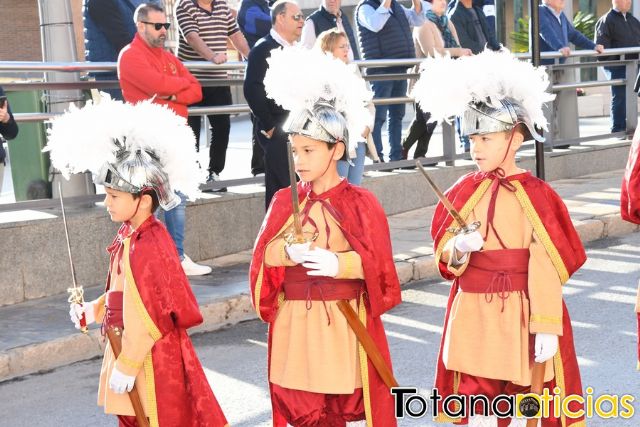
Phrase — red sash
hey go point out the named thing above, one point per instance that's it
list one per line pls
(113, 310)
(496, 272)
(298, 285)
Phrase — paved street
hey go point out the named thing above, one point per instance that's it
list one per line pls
(600, 298)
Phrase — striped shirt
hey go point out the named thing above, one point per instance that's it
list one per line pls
(213, 28)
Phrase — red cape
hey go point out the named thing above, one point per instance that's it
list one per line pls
(183, 396)
(365, 227)
(630, 191)
(552, 224)
(630, 196)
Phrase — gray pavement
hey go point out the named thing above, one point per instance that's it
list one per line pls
(37, 335)
(600, 299)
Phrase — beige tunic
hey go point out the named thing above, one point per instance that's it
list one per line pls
(482, 338)
(306, 352)
(136, 344)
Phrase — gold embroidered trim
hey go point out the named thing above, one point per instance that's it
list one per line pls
(129, 362)
(551, 320)
(541, 232)
(559, 374)
(152, 403)
(464, 213)
(347, 264)
(364, 367)
(130, 286)
(256, 291)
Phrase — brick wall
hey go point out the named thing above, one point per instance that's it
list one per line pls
(20, 27)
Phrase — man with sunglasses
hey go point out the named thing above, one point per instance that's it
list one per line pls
(147, 71)
(287, 21)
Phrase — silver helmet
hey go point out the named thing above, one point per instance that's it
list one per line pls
(322, 122)
(134, 172)
(486, 117)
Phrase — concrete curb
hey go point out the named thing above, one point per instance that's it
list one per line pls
(225, 312)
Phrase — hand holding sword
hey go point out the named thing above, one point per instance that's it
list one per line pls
(295, 235)
(463, 228)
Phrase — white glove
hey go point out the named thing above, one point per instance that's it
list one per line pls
(76, 311)
(321, 262)
(296, 250)
(546, 347)
(119, 382)
(469, 242)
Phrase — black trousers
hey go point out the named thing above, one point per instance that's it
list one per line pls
(220, 125)
(276, 164)
(420, 131)
(257, 153)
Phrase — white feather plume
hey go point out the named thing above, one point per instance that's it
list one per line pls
(83, 139)
(446, 85)
(298, 77)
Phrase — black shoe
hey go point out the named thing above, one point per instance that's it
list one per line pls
(214, 177)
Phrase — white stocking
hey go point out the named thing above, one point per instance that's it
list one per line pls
(483, 421)
(361, 423)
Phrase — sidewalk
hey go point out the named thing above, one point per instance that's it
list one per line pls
(37, 335)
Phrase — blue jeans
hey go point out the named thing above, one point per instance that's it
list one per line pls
(464, 140)
(618, 99)
(389, 89)
(354, 173)
(174, 221)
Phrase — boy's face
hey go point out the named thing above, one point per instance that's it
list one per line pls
(120, 205)
(488, 150)
(312, 157)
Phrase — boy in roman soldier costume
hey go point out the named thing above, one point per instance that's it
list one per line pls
(505, 310)
(630, 203)
(141, 154)
(319, 374)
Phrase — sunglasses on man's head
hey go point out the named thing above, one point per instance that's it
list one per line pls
(158, 25)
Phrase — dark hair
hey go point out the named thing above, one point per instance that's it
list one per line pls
(155, 203)
(278, 8)
(142, 12)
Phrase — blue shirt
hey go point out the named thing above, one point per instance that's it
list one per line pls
(375, 19)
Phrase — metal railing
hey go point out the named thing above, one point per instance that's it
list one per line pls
(449, 144)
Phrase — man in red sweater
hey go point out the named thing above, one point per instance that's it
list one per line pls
(147, 71)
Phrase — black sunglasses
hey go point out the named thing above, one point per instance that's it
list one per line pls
(158, 25)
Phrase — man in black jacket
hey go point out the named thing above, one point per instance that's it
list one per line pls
(471, 26)
(615, 29)
(287, 22)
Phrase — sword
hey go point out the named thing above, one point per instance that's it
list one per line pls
(296, 235)
(368, 344)
(464, 227)
(76, 294)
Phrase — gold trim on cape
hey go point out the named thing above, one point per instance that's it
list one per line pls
(464, 213)
(130, 286)
(258, 288)
(541, 232)
(364, 367)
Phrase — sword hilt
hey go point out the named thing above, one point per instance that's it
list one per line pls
(465, 230)
(76, 296)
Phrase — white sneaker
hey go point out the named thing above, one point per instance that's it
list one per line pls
(192, 269)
